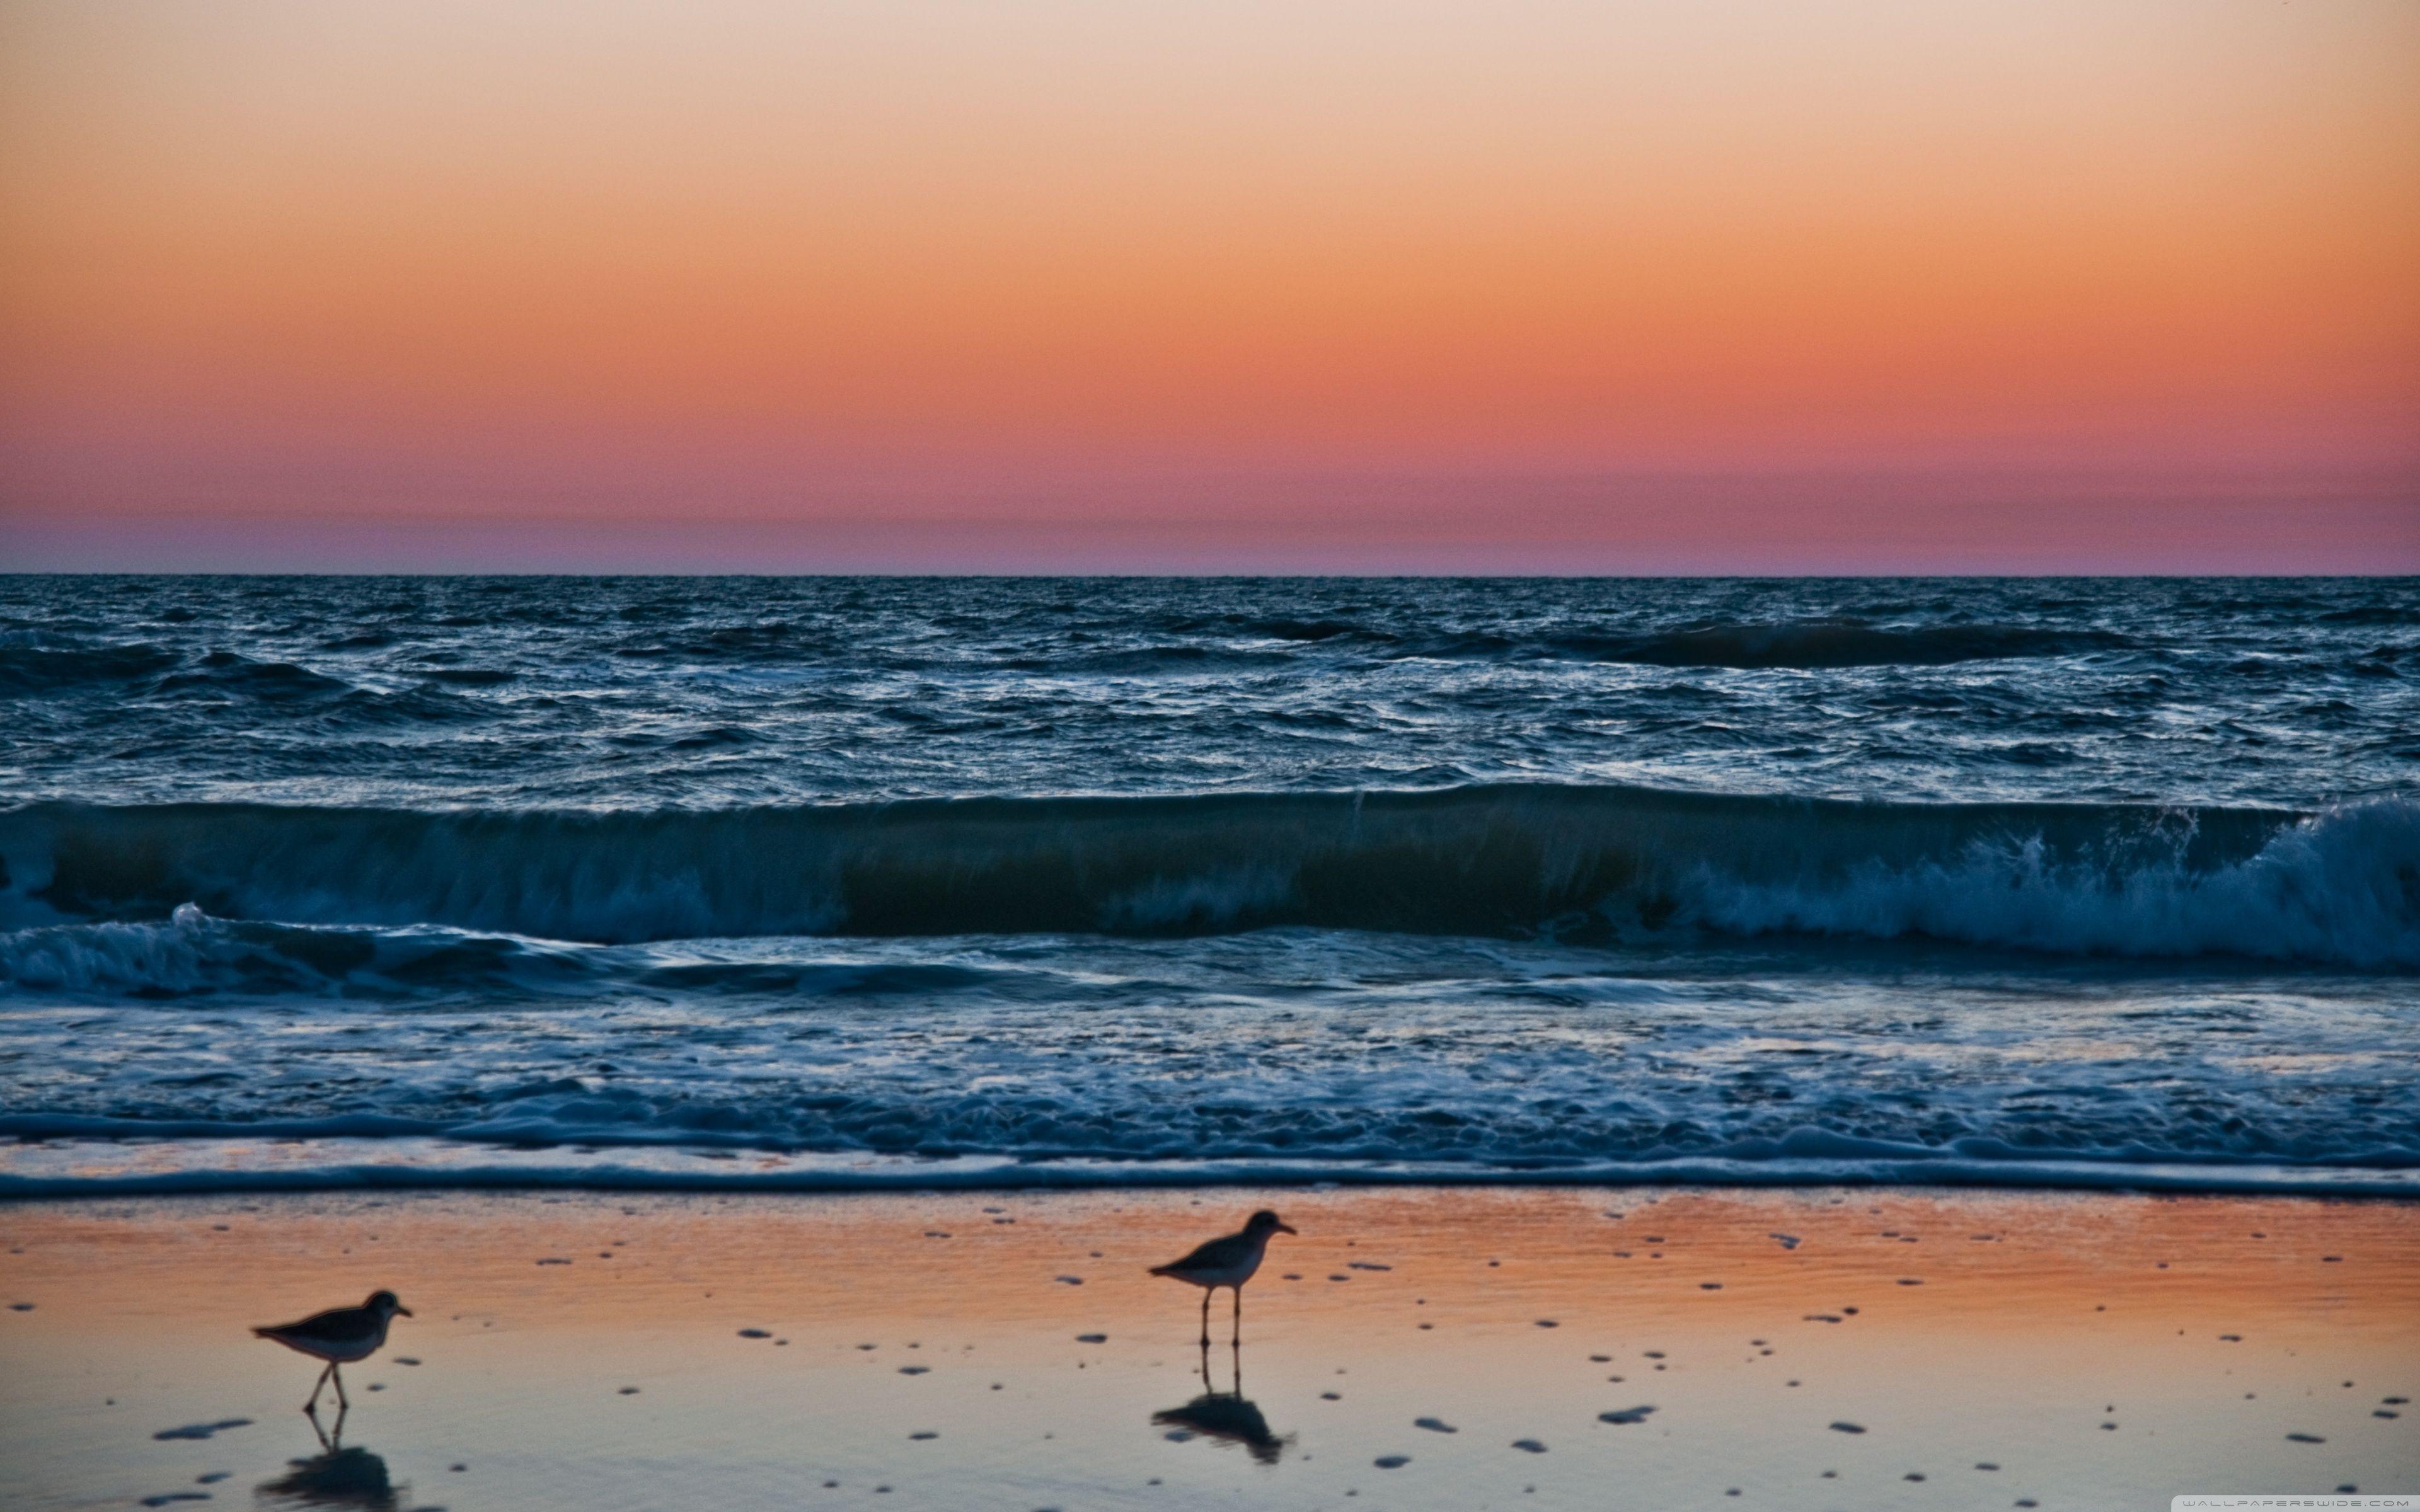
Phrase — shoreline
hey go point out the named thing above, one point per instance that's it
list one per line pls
(69, 1166)
(585, 1348)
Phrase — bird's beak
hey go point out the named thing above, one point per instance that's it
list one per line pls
(406, 1311)
(1288, 1229)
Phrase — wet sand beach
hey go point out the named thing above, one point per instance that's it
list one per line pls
(1411, 1349)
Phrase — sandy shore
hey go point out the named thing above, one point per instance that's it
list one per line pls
(1413, 1348)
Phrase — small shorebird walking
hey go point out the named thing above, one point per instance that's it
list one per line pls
(340, 1336)
(1226, 1262)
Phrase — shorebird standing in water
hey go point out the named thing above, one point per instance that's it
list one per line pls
(340, 1336)
(1226, 1262)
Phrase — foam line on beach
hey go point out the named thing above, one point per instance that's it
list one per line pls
(91, 1170)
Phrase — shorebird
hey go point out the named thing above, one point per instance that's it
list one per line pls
(1226, 1262)
(340, 1336)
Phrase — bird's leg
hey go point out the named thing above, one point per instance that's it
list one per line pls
(311, 1408)
(1205, 1366)
(1237, 1331)
(338, 1376)
(1206, 1315)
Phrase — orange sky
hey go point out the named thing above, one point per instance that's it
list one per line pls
(2095, 284)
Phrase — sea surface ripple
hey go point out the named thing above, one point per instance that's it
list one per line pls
(823, 881)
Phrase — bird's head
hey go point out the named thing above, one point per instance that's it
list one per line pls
(385, 1305)
(1265, 1222)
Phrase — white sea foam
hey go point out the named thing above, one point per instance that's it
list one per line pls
(2341, 886)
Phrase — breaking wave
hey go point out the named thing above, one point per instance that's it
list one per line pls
(2340, 886)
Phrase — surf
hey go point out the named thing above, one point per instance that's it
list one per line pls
(2337, 886)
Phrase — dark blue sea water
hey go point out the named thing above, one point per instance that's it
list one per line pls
(880, 881)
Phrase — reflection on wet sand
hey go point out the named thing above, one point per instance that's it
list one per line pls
(338, 1477)
(2261, 1339)
(1225, 1417)
(335, 1476)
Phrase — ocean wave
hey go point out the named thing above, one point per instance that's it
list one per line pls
(49, 665)
(54, 666)
(225, 674)
(2341, 887)
(1745, 644)
(1205, 644)
(1150, 661)
(191, 954)
(90, 1162)
(1127, 1121)
(1795, 644)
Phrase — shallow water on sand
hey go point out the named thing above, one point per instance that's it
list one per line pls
(594, 1352)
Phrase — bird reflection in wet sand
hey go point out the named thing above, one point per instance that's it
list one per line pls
(340, 1336)
(336, 1476)
(1225, 1417)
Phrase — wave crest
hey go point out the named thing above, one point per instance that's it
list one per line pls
(1813, 645)
(2341, 886)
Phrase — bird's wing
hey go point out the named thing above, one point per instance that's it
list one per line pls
(335, 1324)
(1216, 1254)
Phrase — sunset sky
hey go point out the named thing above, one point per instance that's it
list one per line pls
(2044, 284)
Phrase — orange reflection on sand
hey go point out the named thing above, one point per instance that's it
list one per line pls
(588, 1349)
(1983, 1261)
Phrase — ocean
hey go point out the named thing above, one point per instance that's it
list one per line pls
(327, 883)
